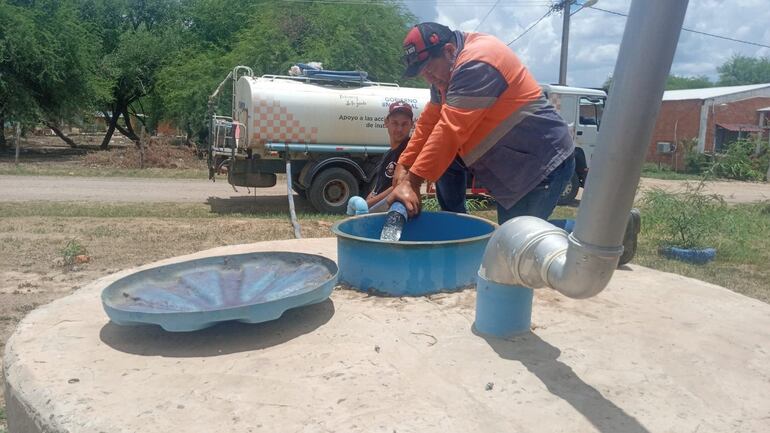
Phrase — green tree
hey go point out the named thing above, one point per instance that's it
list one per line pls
(676, 82)
(272, 36)
(740, 70)
(137, 38)
(16, 104)
(673, 82)
(48, 67)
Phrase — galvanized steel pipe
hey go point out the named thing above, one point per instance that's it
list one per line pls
(530, 252)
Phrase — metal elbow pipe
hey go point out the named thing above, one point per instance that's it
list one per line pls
(530, 252)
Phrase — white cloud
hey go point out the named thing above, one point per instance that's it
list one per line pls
(595, 36)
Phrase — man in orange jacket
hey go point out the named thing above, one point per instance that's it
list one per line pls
(486, 113)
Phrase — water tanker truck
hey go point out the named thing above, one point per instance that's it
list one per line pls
(329, 126)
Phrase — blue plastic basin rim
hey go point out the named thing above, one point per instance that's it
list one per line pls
(339, 233)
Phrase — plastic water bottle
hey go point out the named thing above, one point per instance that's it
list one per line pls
(394, 223)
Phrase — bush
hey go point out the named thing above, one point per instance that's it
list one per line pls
(697, 163)
(688, 220)
(72, 251)
(694, 161)
(741, 161)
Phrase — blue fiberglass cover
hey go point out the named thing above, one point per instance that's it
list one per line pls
(195, 294)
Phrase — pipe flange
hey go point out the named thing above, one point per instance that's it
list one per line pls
(595, 250)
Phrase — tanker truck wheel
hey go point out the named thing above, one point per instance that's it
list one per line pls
(570, 191)
(331, 189)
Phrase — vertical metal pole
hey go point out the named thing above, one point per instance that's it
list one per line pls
(290, 194)
(644, 60)
(17, 140)
(564, 43)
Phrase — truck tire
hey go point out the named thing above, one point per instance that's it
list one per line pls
(630, 238)
(570, 191)
(301, 192)
(331, 189)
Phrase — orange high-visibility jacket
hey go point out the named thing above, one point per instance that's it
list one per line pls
(494, 115)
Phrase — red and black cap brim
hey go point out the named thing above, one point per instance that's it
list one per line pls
(419, 43)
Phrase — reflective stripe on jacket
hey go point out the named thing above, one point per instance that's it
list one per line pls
(493, 114)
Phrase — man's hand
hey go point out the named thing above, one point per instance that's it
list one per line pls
(408, 193)
(401, 173)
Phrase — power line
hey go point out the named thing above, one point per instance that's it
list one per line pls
(691, 30)
(487, 15)
(548, 12)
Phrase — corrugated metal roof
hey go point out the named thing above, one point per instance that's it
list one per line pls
(572, 90)
(709, 92)
(737, 127)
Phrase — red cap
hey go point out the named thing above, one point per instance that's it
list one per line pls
(419, 41)
(400, 106)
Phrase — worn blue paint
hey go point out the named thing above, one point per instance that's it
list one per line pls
(196, 294)
(438, 252)
(699, 256)
(502, 310)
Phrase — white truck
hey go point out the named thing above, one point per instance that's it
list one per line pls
(329, 127)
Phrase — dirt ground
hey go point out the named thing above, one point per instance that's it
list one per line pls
(31, 273)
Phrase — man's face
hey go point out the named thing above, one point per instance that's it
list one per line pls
(438, 69)
(398, 126)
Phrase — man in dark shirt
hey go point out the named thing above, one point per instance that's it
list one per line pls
(398, 122)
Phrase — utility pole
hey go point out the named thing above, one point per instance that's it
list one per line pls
(565, 8)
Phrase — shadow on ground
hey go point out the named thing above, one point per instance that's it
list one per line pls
(222, 339)
(257, 204)
(542, 360)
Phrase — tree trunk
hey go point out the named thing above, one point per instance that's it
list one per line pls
(3, 142)
(129, 131)
(111, 123)
(188, 138)
(61, 135)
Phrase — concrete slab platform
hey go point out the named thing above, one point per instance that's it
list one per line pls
(654, 352)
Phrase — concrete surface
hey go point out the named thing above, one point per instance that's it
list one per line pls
(654, 352)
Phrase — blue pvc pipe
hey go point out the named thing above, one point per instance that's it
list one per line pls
(502, 310)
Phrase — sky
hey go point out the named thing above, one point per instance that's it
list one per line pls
(595, 35)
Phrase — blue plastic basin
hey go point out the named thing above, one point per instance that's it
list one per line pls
(438, 252)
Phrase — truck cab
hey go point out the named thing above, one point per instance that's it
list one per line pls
(582, 109)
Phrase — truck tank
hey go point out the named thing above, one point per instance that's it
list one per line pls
(277, 109)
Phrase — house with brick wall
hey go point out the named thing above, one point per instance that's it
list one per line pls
(708, 120)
